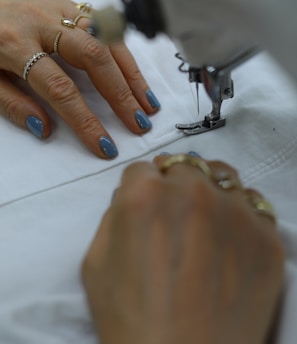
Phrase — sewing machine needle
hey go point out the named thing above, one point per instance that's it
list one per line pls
(197, 95)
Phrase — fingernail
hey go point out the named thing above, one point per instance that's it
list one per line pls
(153, 100)
(35, 125)
(108, 147)
(164, 154)
(142, 120)
(192, 153)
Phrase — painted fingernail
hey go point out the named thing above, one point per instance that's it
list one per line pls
(142, 120)
(164, 154)
(108, 147)
(35, 125)
(153, 100)
(195, 154)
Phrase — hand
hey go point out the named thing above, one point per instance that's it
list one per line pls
(32, 26)
(182, 256)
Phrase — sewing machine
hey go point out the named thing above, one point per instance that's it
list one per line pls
(211, 49)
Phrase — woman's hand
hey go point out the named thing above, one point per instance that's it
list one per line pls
(33, 26)
(184, 254)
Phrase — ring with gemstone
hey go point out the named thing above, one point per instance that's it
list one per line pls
(68, 22)
(32, 60)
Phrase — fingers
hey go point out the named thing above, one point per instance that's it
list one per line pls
(140, 180)
(134, 78)
(260, 206)
(128, 66)
(118, 81)
(219, 174)
(216, 172)
(113, 72)
(225, 176)
(136, 171)
(22, 109)
(50, 82)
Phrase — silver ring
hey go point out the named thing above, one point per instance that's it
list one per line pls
(31, 63)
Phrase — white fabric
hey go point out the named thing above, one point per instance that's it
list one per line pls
(53, 193)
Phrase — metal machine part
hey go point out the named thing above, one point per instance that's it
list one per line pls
(149, 17)
(217, 90)
(219, 86)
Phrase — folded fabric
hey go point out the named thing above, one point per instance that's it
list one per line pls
(54, 192)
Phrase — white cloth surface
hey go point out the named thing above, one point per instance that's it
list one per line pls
(53, 193)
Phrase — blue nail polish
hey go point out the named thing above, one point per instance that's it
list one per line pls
(142, 120)
(192, 153)
(152, 99)
(164, 154)
(35, 125)
(108, 147)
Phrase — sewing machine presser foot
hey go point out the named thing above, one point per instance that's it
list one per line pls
(201, 126)
(218, 85)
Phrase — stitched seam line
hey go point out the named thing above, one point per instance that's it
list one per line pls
(270, 163)
(35, 193)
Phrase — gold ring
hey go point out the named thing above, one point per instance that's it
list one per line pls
(221, 178)
(185, 159)
(77, 18)
(56, 42)
(68, 23)
(262, 207)
(84, 7)
(225, 181)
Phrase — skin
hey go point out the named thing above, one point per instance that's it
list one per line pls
(177, 259)
(31, 26)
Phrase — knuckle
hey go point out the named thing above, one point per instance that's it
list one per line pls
(30, 9)
(95, 53)
(10, 42)
(123, 94)
(11, 111)
(10, 107)
(87, 124)
(130, 168)
(201, 193)
(61, 88)
(143, 194)
(135, 74)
